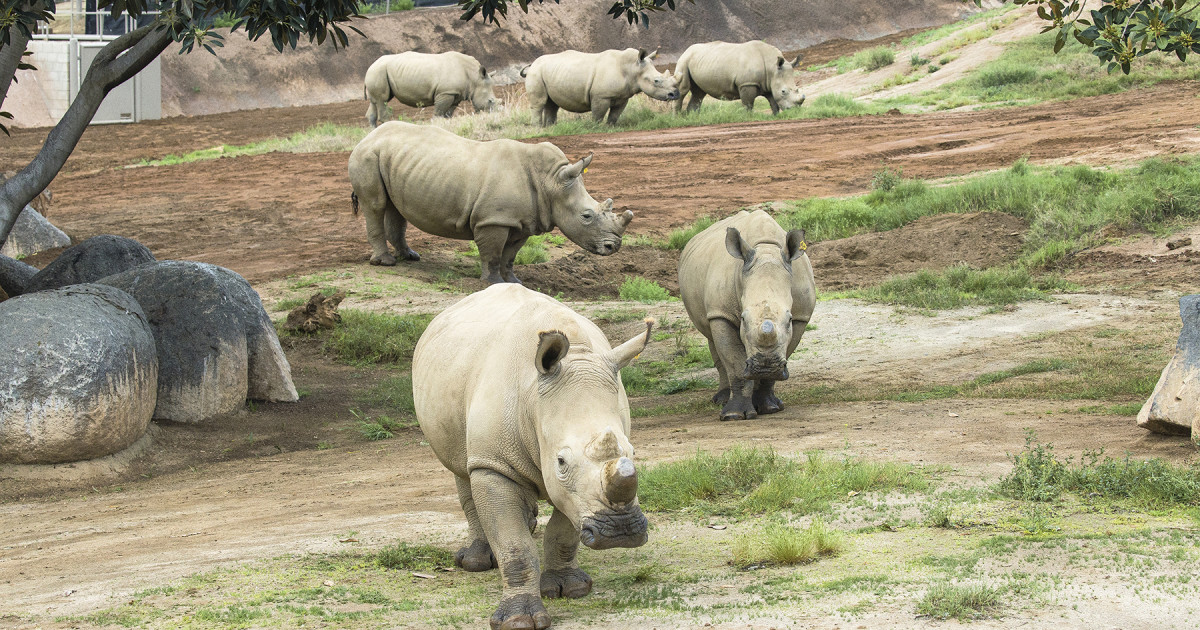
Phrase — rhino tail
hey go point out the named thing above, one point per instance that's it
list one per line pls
(525, 71)
(354, 203)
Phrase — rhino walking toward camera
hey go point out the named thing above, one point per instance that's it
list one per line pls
(421, 79)
(731, 72)
(600, 83)
(521, 398)
(498, 193)
(748, 287)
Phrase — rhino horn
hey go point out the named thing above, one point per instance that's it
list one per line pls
(625, 218)
(623, 354)
(571, 171)
(769, 332)
(620, 480)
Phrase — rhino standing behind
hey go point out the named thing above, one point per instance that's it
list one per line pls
(521, 398)
(748, 287)
(421, 79)
(498, 193)
(601, 83)
(737, 71)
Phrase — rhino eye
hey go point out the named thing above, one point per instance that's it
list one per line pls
(587, 216)
(658, 82)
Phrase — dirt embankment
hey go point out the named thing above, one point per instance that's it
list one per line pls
(248, 75)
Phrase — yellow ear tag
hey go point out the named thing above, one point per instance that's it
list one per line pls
(585, 170)
(803, 246)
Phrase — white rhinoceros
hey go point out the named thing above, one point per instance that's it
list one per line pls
(601, 83)
(498, 193)
(748, 287)
(421, 79)
(737, 71)
(521, 398)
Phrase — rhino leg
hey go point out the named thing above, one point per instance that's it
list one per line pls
(444, 104)
(491, 241)
(733, 356)
(722, 395)
(476, 556)
(562, 576)
(774, 104)
(395, 226)
(549, 113)
(600, 107)
(515, 242)
(504, 509)
(697, 98)
(748, 93)
(765, 401)
(614, 114)
(373, 204)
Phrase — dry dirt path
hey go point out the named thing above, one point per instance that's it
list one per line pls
(272, 215)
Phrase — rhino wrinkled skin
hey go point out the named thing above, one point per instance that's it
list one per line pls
(748, 287)
(420, 79)
(737, 72)
(600, 83)
(498, 193)
(521, 398)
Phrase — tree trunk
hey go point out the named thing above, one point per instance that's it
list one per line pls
(10, 58)
(110, 69)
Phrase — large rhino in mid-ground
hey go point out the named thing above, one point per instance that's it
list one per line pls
(748, 287)
(498, 193)
(421, 79)
(521, 398)
(600, 83)
(737, 71)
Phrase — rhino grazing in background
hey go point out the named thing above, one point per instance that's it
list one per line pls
(737, 71)
(748, 287)
(421, 79)
(600, 83)
(521, 398)
(498, 193)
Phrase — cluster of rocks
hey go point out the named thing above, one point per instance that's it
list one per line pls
(106, 338)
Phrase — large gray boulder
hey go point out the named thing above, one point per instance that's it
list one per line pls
(216, 344)
(78, 376)
(31, 234)
(1174, 407)
(15, 275)
(89, 261)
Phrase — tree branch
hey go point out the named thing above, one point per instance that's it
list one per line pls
(10, 58)
(116, 63)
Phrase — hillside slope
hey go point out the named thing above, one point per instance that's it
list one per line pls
(248, 75)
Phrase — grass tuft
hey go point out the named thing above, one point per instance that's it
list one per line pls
(960, 601)
(962, 285)
(405, 557)
(786, 546)
(364, 337)
(679, 238)
(639, 289)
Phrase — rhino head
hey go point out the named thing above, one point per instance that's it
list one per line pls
(590, 224)
(651, 82)
(783, 84)
(766, 299)
(586, 458)
(483, 98)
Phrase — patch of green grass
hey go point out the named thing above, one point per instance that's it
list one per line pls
(745, 480)
(679, 238)
(1005, 74)
(941, 32)
(364, 337)
(873, 58)
(377, 7)
(1039, 475)
(325, 137)
(960, 601)
(620, 315)
(785, 546)
(962, 285)
(394, 392)
(288, 304)
(639, 289)
(1068, 208)
(380, 427)
(405, 557)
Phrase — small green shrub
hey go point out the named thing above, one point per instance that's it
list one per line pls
(886, 179)
(874, 58)
(378, 428)
(962, 602)
(1000, 75)
(639, 289)
(405, 557)
(679, 238)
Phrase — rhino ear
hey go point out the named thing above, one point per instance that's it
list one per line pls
(780, 61)
(552, 347)
(483, 72)
(796, 61)
(737, 246)
(623, 354)
(642, 54)
(795, 244)
(571, 171)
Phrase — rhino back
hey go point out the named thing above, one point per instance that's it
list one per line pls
(473, 376)
(710, 278)
(448, 186)
(720, 68)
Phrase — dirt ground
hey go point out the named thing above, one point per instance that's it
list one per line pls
(280, 479)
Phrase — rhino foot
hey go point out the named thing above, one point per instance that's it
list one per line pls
(409, 254)
(738, 409)
(387, 260)
(572, 583)
(722, 396)
(475, 558)
(769, 403)
(520, 612)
